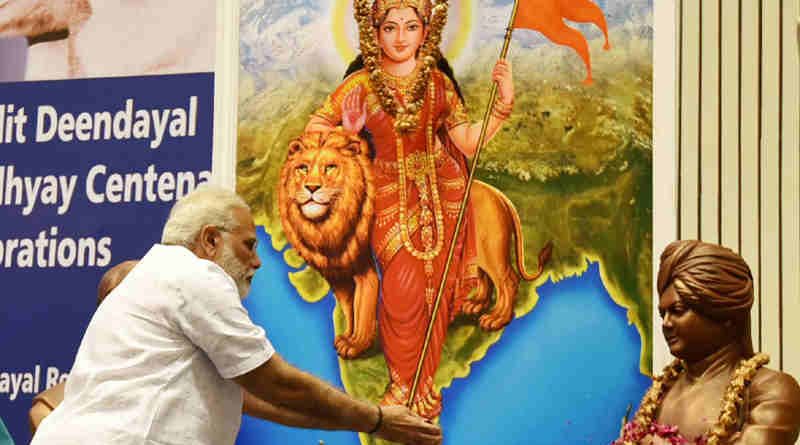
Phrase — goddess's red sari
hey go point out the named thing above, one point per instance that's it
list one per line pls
(412, 231)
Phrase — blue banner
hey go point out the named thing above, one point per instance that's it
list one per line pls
(89, 169)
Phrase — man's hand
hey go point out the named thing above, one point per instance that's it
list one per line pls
(399, 424)
(294, 397)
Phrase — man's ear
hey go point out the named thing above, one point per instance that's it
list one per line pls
(209, 242)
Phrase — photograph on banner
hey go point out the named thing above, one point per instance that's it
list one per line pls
(521, 311)
(106, 118)
(57, 39)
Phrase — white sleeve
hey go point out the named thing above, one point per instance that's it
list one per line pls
(213, 318)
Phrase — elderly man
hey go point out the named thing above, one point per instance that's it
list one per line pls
(164, 361)
(718, 390)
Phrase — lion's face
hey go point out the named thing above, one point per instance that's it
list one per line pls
(316, 181)
(317, 169)
(325, 198)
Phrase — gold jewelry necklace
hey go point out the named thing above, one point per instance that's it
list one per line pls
(427, 219)
(428, 173)
(402, 84)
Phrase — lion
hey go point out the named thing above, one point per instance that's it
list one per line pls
(326, 203)
(493, 253)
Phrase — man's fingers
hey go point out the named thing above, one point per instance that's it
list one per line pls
(417, 439)
(428, 439)
(428, 428)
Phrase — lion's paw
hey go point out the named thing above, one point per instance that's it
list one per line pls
(349, 347)
(494, 321)
(341, 342)
(475, 292)
(473, 307)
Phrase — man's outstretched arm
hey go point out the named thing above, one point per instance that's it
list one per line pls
(296, 398)
(255, 407)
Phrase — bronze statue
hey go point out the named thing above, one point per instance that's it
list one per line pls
(717, 391)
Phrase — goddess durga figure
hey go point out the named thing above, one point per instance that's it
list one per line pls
(402, 91)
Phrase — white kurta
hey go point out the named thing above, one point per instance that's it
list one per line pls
(155, 364)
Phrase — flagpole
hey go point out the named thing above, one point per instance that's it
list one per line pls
(462, 210)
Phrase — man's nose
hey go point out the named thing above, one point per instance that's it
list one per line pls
(255, 261)
(667, 323)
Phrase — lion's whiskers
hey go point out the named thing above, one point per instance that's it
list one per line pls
(325, 195)
(302, 196)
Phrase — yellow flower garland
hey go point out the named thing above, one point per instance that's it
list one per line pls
(732, 401)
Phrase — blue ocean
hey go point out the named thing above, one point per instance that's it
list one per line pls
(563, 374)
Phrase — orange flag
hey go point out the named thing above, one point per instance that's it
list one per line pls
(547, 17)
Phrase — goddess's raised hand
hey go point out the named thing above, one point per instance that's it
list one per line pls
(354, 110)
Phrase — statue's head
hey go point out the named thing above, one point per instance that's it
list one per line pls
(706, 292)
(401, 26)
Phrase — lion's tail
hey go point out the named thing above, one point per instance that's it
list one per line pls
(544, 254)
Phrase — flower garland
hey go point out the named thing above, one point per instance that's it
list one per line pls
(406, 116)
(644, 423)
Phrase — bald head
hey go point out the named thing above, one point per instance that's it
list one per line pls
(112, 278)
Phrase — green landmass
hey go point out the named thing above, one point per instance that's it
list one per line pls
(575, 160)
(309, 284)
(293, 259)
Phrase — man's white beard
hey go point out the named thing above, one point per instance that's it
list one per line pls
(236, 269)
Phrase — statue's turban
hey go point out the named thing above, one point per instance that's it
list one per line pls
(711, 279)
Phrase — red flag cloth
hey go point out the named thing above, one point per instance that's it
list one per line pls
(547, 17)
